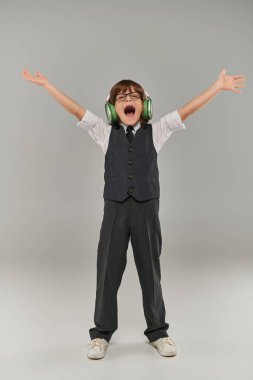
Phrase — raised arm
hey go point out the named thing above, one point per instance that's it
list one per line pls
(224, 82)
(69, 104)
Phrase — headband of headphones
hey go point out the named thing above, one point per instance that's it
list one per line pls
(112, 116)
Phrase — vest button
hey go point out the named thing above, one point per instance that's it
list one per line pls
(129, 162)
(130, 149)
(131, 189)
(130, 176)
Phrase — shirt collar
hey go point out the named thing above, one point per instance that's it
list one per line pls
(136, 127)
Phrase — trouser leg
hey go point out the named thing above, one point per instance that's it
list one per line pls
(146, 240)
(111, 263)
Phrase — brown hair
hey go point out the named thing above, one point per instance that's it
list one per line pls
(123, 86)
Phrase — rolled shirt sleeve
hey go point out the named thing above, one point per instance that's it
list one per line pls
(164, 128)
(96, 127)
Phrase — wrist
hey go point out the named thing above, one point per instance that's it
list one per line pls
(47, 85)
(217, 85)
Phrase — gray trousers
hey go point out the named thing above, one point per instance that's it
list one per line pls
(139, 222)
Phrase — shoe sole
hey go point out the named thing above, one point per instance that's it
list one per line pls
(95, 357)
(169, 355)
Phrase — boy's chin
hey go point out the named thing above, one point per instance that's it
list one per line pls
(129, 120)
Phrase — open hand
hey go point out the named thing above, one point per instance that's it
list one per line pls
(38, 78)
(231, 82)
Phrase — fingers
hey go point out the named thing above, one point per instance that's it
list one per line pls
(26, 73)
(237, 85)
(29, 76)
(240, 83)
(237, 77)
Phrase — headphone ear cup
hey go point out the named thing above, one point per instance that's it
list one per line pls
(111, 113)
(147, 109)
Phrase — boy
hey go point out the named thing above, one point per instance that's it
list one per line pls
(131, 199)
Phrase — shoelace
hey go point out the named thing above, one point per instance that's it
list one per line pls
(167, 339)
(97, 342)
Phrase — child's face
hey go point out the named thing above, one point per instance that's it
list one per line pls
(129, 110)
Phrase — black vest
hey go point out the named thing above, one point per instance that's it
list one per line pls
(131, 168)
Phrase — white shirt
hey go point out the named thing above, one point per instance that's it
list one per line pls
(100, 130)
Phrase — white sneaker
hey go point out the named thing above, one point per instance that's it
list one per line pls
(97, 348)
(165, 346)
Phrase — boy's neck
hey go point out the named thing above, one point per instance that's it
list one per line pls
(136, 125)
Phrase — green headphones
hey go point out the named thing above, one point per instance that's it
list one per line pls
(112, 116)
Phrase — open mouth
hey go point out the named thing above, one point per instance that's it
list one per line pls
(129, 110)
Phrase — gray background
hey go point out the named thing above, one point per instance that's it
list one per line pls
(52, 182)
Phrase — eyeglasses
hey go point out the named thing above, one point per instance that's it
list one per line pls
(133, 96)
